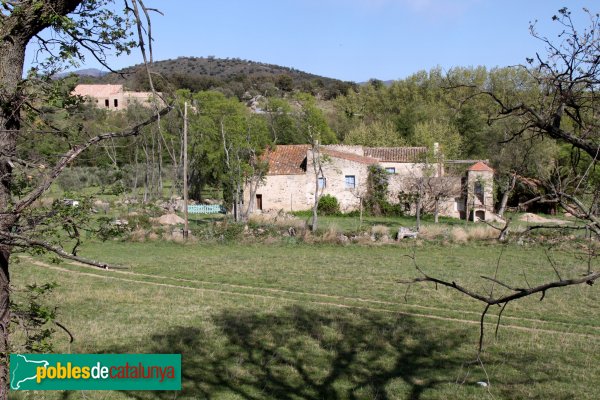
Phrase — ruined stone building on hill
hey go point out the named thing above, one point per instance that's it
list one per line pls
(112, 97)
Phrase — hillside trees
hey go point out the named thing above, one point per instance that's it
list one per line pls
(415, 111)
(280, 119)
(78, 26)
(564, 110)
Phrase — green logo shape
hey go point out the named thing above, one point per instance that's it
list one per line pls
(95, 371)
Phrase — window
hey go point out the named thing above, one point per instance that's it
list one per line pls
(116, 103)
(350, 181)
(106, 103)
(479, 191)
(322, 182)
(390, 170)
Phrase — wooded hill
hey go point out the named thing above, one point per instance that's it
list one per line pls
(233, 75)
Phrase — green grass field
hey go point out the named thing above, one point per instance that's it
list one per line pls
(328, 322)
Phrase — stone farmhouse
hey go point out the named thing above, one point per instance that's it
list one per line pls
(111, 97)
(291, 181)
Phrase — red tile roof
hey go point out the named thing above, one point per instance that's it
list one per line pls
(480, 167)
(291, 159)
(349, 156)
(288, 159)
(396, 154)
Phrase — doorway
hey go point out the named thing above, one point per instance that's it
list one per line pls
(259, 205)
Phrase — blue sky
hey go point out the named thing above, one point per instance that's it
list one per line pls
(354, 39)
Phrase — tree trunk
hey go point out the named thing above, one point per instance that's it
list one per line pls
(436, 210)
(509, 188)
(315, 207)
(11, 70)
(4, 320)
(316, 162)
(361, 213)
(18, 27)
(160, 167)
(419, 199)
(418, 212)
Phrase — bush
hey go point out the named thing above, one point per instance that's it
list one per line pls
(376, 203)
(139, 221)
(328, 205)
(229, 232)
(380, 231)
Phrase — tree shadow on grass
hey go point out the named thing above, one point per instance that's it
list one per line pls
(302, 353)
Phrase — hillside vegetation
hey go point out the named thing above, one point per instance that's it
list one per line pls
(234, 75)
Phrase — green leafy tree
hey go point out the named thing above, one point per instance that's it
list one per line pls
(226, 144)
(441, 132)
(377, 190)
(377, 134)
(281, 121)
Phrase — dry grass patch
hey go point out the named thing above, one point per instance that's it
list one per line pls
(380, 231)
(282, 220)
(332, 234)
(482, 232)
(431, 232)
(138, 235)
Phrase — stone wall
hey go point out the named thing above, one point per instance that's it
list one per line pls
(296, 192)
(451, 203)
(283, 192)
(405, 169)
(335, 171)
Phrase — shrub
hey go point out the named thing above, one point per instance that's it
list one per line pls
(328, 205)
(380, 231)
(376, 202)
(139, 221)
(229, 232)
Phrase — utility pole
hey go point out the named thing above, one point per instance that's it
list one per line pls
(185, 171)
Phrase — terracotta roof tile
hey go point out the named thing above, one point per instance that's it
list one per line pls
(350, 156)
(480, 167)
(288, 159)
(396, 154)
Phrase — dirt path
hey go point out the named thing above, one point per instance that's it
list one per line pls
(308, 294)
(314, 302)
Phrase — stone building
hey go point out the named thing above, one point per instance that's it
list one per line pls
(291, 181)
(111, 97)
(479, 202)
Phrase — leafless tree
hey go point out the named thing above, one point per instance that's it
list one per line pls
(567, 110)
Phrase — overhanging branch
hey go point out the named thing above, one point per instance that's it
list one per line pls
(74, 153)
(12, 239)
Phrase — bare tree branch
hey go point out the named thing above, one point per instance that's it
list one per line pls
(74, 153)
(13, 239)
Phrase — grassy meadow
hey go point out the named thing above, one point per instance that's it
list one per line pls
(323, 321)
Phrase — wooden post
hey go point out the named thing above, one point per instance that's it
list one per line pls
(361, 212)
(185, 172)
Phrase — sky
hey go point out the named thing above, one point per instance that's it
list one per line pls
(354, 40)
